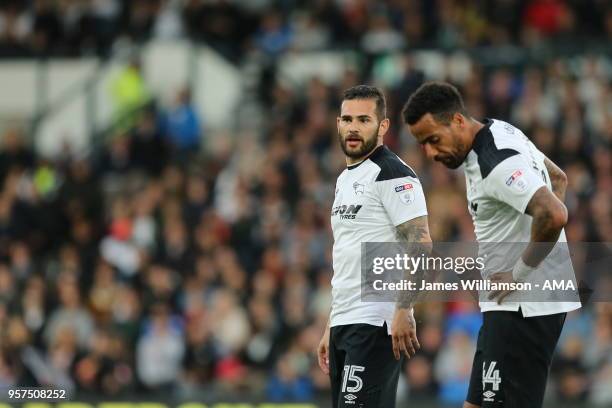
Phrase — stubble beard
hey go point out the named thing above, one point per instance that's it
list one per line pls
(457, 159)
(367, 145)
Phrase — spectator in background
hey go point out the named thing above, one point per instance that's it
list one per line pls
(160, 350)
(129, 92)
(310, 34)
(169, 24)
(33, 303)
(454, 365)
(15, 153)
(8, 287)
(15, 30)
(547, 17)
(47, 29)
(274, 35)
(287, 384)
(182, 126)
(420, 380)
(380, 36)
(70, 314)
(230, 322)
(103, 15)
(142, 17)
(148, 150)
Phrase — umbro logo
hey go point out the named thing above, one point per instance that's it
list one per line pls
(488, 396)
(350, 398)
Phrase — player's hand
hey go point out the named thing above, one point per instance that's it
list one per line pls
(500, 277)
(403, 334)
(323, 352)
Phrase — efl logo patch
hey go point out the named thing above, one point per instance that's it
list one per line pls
(403, 187)
(517, 181)
(407, 197)
(513, 177)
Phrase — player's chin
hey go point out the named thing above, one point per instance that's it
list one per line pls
(450, 163)
(354, 152)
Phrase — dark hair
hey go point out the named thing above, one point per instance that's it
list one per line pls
(368, 92)
(441, 99)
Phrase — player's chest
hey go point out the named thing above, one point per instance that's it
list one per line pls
(480, 205)
(355, 204)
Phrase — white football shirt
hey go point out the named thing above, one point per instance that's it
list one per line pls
(503, 171)
(372, 198)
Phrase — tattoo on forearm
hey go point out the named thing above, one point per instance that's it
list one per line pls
(539, 209)
(544, 232)
(414, 237)
(558, 179)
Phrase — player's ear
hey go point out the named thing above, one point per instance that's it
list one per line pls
(459, 119)
(383, 127)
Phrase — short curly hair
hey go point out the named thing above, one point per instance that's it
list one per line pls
(368, 92)
(441, 99)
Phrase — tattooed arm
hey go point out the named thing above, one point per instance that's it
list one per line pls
(549, 217)
(414, 237)
(558, 179)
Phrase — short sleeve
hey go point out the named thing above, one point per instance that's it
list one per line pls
(402, 198)
(513, 182)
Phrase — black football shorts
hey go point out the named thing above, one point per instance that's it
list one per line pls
(512, 359)
(363, 370)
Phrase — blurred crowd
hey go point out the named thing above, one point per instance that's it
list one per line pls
(86, 27)
(178, 260)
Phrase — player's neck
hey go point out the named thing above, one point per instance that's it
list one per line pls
(351, 161)
(475, 127)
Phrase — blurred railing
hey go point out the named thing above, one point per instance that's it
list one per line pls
(69, 101)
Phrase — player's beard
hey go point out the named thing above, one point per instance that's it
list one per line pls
(456, 159)
(367, 145)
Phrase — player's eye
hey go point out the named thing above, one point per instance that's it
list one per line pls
(365, 120)
(433, 140)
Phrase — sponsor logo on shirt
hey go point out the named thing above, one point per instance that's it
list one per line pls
(513, 177)
(405, 193)
(517, 181)
(346, 212)
(403, 187)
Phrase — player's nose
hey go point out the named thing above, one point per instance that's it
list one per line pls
(352, 127)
